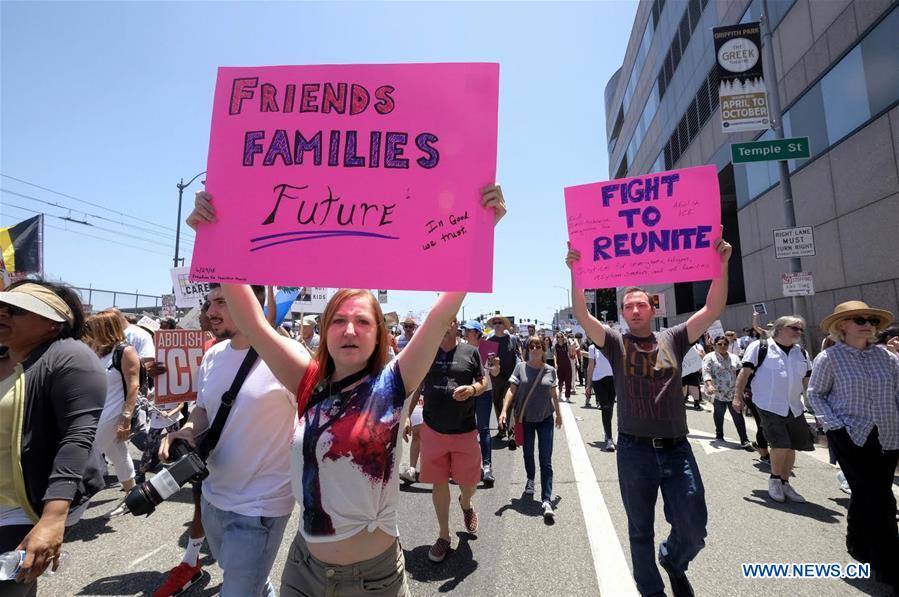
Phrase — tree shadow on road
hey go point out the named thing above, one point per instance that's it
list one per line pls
(808, 509)
(143, 583)
(458, 565)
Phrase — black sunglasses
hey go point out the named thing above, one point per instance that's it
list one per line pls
(13, 310)
(863, 320)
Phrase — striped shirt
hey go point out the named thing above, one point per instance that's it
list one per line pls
(858, 390)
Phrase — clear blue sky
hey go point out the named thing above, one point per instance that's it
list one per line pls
(110, 102)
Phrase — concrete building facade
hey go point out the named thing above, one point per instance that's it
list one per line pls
(837, 65)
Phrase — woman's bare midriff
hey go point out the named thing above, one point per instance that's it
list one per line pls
(358, 548)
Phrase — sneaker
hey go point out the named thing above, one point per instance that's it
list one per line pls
(487, 476)
(179, 579)
(548, 513)
(844, 484)
(792, 494)
(409, 476)
(119, 510)
(776, 490)
(747, 445)
(512, 444)
(529, 487)
(697, 405)
(438, 551)
(471, 518)
(610, 445)
(719, 438)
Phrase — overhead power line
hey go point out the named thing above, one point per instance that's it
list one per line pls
(92, 204)
(80, 233)
(92, 215)
(93, 226)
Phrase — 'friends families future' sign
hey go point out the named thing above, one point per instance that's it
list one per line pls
(322, 175)
(652, 229)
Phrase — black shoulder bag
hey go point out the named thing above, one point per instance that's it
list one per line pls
(211, 437)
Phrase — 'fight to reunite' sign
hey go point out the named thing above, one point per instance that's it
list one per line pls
(372, 163)
(652, 229)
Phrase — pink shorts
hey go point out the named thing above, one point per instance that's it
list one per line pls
(445, 455)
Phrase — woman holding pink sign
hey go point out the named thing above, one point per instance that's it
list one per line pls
(344, 457)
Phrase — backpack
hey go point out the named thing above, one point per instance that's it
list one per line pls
(143, 379)
(763, 352)
(137, 424)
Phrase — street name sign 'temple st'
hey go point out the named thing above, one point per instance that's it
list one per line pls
(771, 150)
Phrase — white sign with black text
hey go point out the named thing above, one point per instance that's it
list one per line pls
(798, 284)
(794, 242)
(187, 294)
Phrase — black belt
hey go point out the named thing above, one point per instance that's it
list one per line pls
(655, 442)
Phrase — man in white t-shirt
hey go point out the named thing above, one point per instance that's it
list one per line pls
(247, 497)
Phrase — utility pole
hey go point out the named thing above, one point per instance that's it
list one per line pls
(800, 303)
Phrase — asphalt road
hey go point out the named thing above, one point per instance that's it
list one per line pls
(515, 552)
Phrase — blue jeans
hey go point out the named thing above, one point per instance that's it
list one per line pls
(544, 430)
(245, 548)
(642, 470)
(483, 406)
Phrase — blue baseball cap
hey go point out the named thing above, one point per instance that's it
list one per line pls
(473, 325)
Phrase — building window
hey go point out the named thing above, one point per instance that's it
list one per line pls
(778, 9)
(845, 86)
(858, 88)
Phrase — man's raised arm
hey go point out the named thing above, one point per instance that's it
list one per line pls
(716, 299)
(592, 326)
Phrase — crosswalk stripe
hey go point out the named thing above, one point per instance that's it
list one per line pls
(609, 561)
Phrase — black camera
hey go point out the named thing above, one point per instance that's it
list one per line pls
(189, 465)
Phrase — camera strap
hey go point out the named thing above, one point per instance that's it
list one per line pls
(212, 436)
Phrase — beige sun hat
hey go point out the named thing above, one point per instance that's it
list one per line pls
(39, 300)
(851, 309)
(505, 320)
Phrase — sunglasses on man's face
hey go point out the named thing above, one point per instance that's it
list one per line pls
(796, 328)
(533, 346)
(408, 327)
(720, 343)
(863, 320)
(12, 310)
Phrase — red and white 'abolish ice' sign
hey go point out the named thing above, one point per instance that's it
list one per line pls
(180, 351)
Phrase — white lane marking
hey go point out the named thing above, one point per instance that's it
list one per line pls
(608, 556)
(146, 556)
(709, 445)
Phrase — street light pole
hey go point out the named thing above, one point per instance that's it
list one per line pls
(799, 303)
(181, 186)
(567, 297)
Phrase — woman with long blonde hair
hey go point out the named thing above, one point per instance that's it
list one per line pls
(105, 334)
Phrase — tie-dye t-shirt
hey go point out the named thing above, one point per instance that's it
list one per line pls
(344, 458)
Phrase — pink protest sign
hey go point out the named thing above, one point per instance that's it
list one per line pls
(652, 229)
(487, 347)
(364, 176)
